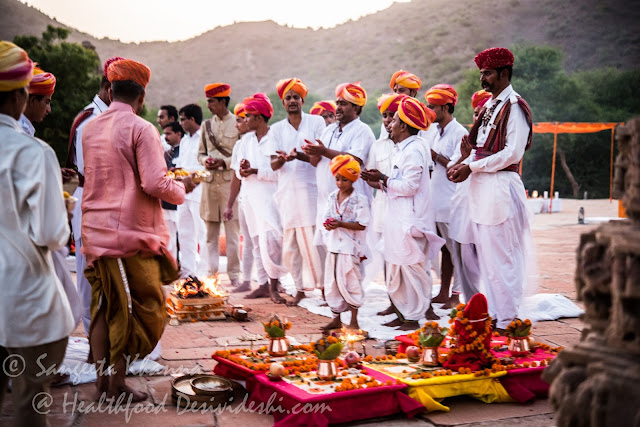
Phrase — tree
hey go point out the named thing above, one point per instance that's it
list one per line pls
(78, 74)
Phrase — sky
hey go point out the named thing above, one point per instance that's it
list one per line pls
(174, 20)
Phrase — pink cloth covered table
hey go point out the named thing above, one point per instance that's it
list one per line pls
(523, 384)
(292, 406)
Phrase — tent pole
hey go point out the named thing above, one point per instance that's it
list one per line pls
(553, 167)
(611, 168)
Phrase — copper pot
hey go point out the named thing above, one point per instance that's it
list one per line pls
(327, 370)
(429, 356)
(278, 347)
(519, 346)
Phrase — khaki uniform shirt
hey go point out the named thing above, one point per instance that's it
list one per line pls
(216, 188)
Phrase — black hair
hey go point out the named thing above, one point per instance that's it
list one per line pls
(175, 126)
(359, 108)
(227, 99)
(104, 81)
(171, 111)
(4, 96)
(192, 111)
(451, 108)
(266, 119)
(412, 130)
(38, 97)
(509, 68)
(126, 89)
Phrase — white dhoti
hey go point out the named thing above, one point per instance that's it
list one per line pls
(343, 282)
(62, 271)
(301, 256)
(247, 249)
(409, 288)
(193, 235)
(454, 251)
(171, 218)
(471, 281)
(270, 246)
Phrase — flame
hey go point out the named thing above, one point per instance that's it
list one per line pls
(350, 337)
(211, 284)
(188, 288)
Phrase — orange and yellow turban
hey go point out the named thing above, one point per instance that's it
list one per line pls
(128, 69)
(494, 57)
(415, 113)
(238, 110)
(389, 101)
(294, 84)
(352, 92)
(16, 68)
(322, 106)
(42, 83)
(258, 104)
(217, 90)
(108, 62)
(346, 166)
(406, 79)
(441, 94)
(480, 98)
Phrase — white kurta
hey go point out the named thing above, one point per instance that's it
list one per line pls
(380, 159)
(263, 220)
(34, 222)
(499, 218)
(355, 138)
(409, 240)
(343, 278)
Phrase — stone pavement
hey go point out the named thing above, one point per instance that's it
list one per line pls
(188, 348)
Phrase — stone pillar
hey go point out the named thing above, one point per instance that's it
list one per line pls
(597, 382)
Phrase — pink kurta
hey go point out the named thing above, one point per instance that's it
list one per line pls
(125, 179)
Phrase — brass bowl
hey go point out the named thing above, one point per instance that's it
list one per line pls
(184, 395)
(211, 385)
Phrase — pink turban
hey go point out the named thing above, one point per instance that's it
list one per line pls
(389, 101)
(322, 106)
(42, 83)
(258, 104)
(415, 113)
(441, 94)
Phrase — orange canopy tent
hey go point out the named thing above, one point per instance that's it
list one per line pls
(556, 128)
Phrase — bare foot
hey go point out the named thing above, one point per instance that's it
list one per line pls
(261, 292)
(387, 311)
(126, 394)
(431, 315)
(280, 287)
(273, 293)
(244, 287)
(353, 326)
(452, 302)
(296, 300)
(334, 324)
(409, 326)
(394, 323)
(441, 298)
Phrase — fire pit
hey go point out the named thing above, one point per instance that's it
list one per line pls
(193, 300)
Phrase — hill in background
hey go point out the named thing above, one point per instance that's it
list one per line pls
(436, 39)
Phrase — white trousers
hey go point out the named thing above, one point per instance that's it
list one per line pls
(83, 286)
(454, 250)
(300, 255)
(270, 246)
(232, 236)
(263, 277)
(343, 282)
(247, 247)
(193, 234)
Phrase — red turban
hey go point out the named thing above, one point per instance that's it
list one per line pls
(258, 104)
(108, 62)
(494, 57)
(415, 113)
(352, 92)
(294, 84)
(239, 110)
(128, 69)
(42, 83)
(479, 98)
(345, 165)
(217, 90)
(322, 106)
(389, 101)
(16, 68)
(406, 79)
(441, 95)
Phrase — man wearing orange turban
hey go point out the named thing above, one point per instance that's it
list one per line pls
(128, 260)
(326, 109)
(404, 83)
(259, 183)
(495, 205)
(218, 136)
(41, 88)
(409, 240)
(36, 318)
(297, 187)
(445, 151)
(75, 160)
(478, 99)
(349, 135)
(345, 218)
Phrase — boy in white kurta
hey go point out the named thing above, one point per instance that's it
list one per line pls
(409, 238)
(346, 217)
